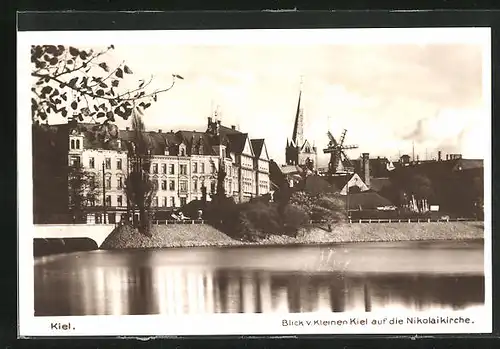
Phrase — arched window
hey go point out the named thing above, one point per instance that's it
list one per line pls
(72, 144)
(77, 144)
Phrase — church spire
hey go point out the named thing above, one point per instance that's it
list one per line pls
(297, 136)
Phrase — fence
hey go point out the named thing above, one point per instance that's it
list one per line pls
(403, 220)
(186, 221)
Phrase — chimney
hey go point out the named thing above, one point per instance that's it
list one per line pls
(439, 155)
(366, 169)
(171, 131)
(233, 127)
(127, 128)
(159, 131)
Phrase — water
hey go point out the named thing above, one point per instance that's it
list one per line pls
(337, 278)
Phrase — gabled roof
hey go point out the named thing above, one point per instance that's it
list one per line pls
(257, 146)
(237, 142)
(367, 200)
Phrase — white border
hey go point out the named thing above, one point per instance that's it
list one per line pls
(218, 324)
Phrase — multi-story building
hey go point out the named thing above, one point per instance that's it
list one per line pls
(182, 163)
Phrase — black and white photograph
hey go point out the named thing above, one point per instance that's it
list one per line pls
(255, 181)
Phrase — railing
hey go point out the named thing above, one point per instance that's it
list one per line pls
(403, 220)
(172, 221)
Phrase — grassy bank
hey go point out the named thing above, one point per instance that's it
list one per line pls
(205, 235)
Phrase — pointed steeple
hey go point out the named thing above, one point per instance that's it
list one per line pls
(297, 136)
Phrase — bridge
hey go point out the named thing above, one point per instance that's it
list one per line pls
(96, 232)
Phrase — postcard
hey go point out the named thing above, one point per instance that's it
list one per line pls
(254, 182)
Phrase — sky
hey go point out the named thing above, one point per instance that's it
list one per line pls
(389, 96)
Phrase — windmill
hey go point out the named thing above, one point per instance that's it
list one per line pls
(338, 155)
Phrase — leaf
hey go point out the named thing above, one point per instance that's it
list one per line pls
(72, 82)
(141, 83)
(69, 61)
(63, 96)
(103, 85)
(73, 51)
(54, 61)
(99, 92)
(74, 105)
(127, 70)
(55, 93)
(178, 77)
(46, 90)
(112, 102)
(83, 55)
(104, 66)
(64, 112)
(115, 83)
(155, 97)
(119, 73)
(109, 115)
(100, 115)
(96, 107)
(112, 47)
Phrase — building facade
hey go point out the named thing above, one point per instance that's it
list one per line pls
(182, 163)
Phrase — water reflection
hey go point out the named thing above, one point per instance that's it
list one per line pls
(163, 289)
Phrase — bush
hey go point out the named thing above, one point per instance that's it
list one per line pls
(294, 218)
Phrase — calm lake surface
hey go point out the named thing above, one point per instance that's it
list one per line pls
(336, 278)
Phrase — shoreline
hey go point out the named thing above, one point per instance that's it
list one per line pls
(297, 244)
(207, 236)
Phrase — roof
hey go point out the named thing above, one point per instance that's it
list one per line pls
(237, 142)
(377, 184)
(366, 200)
(257, 146)
(315, 185)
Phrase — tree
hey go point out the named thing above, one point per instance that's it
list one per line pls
(80, 80)
(83, 190)
(139, 187)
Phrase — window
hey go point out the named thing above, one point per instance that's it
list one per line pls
(155, 184)
(183, 201)
(108, 200)
(119, 200)
(72, 144)
(195, 185)
(164, 201)
(195, 167)
(155, 201)
(223, 153)
(202, 168)
(213, 167)
(120, 183)
(172, 201)
(91, 163)
(155, 168)
(108, 182)
(171, 169)
(183, 169)
(118, 164)
(212, 187)
(183, 186)
(171, 185)
(108, 163)
(74, 161)
(77, 144)
(163, 185)
(164, 168)
(182, 151)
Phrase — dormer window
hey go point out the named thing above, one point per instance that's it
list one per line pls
(182, 150)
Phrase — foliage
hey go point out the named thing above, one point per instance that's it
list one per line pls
(83, 190)
(139, 187)
(330, 208)
(80, 81)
